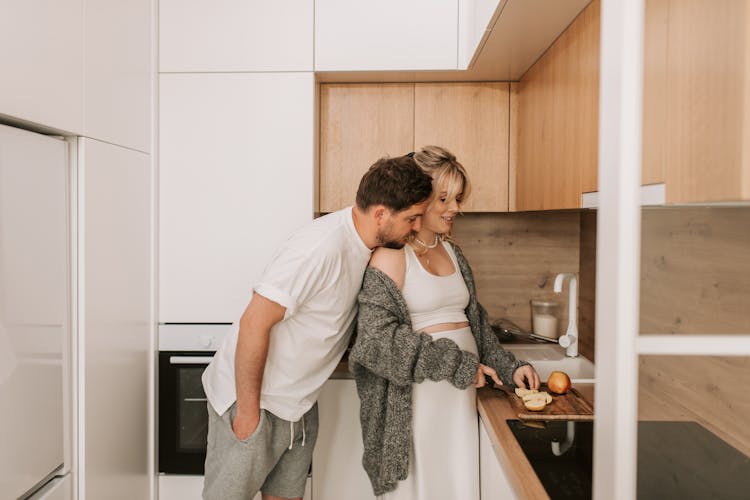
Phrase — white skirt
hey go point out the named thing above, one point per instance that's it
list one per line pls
(444, 457)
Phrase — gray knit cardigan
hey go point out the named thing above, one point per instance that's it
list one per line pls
(388, 357)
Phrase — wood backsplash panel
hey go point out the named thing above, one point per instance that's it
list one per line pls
(515, 257)
(587, 288)
(695, 270)
(708, 389)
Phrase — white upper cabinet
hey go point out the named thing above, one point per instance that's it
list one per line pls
(236, 162)
(235, 35)
(79, 67)
(118, 71)
(41, 78)
(355, 35)
(476, 18)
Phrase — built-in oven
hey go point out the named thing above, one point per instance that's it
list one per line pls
(184, 352)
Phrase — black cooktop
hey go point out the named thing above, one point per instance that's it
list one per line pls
(675, 460)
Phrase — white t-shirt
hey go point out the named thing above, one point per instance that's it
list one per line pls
(316, 275)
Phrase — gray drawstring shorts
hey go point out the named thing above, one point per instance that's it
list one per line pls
(274, 459)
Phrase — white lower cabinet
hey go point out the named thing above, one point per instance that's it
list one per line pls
(493, 483)
(182, 488)
(337, 472)
(191, 488)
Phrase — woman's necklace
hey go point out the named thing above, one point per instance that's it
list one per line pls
(428, 247)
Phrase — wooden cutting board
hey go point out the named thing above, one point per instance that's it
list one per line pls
(569, 406)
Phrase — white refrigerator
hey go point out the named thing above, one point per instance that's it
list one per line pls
(34, 316)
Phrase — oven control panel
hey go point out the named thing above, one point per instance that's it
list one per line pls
(192, 337)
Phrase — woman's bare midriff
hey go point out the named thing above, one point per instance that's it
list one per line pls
(444, 327)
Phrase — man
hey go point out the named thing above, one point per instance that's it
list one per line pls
(263, 383)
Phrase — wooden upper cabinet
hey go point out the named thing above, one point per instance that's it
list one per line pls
(556, 130)
(584, 81)
(655, 92)
(558, 113)
(360, 123)
(695, 99)
(471, 121)
(708, 142)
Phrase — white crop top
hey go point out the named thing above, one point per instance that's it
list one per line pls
(434, 299)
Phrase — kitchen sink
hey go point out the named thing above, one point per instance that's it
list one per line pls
(547, 358)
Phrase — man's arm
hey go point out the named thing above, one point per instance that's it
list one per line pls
(250, 360)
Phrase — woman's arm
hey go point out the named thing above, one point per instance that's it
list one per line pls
(511, 370)
(387, 346)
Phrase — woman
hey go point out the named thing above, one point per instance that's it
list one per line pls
(421, 335)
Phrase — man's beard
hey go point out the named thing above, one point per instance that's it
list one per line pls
(396, 245)
(386, 240)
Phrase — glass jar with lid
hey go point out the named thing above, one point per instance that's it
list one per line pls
(544, 318)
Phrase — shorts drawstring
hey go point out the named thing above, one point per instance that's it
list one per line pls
(291, 433)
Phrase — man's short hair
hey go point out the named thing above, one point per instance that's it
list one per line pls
(397, 183)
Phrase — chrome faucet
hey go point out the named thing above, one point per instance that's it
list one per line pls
(570, 340)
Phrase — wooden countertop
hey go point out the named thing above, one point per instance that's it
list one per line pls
(494, 410)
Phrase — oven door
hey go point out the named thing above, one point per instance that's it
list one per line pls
(183, 414)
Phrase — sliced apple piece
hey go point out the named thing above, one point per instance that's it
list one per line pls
(543, 396)
(521, 392)
(535, 404)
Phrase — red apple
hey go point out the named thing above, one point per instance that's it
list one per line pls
(558, 382)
